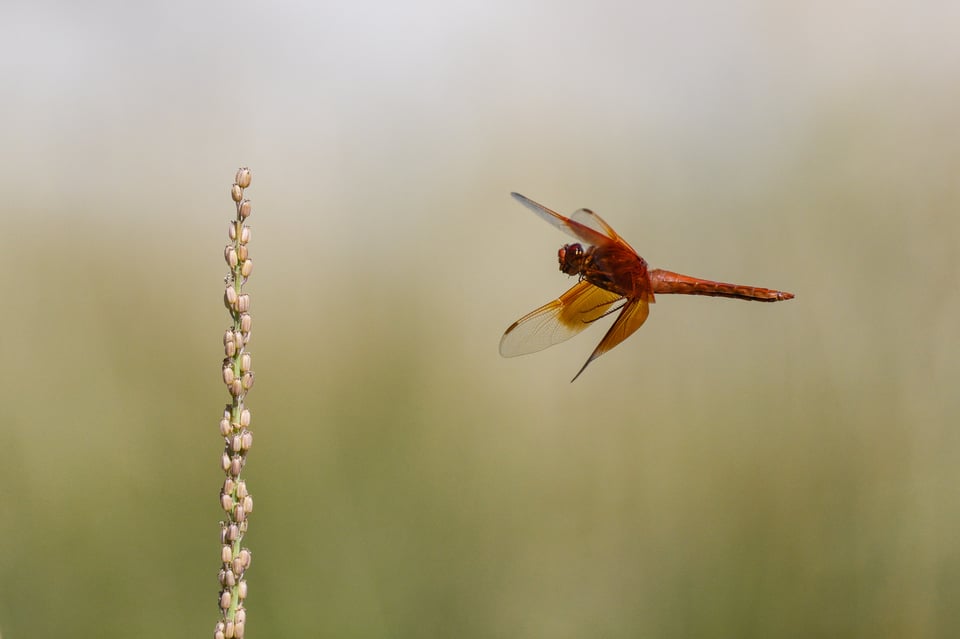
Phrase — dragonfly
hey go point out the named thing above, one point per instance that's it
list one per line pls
(611, 277)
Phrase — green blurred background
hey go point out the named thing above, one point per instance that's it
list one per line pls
(732, 470)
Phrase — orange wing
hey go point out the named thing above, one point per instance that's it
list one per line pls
(632, 317)
(560, 320)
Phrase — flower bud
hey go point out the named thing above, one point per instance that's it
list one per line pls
(243, 177)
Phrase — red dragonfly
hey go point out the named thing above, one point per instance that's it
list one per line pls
(612, 278)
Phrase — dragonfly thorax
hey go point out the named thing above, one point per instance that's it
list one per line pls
(607, 267)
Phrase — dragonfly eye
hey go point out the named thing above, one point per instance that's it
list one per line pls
(570, 257)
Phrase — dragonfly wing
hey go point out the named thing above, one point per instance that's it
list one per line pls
(632, 317)
(558, 320)
(592, 235)
(591, 220)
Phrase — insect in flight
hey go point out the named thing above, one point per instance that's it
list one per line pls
(612, 277)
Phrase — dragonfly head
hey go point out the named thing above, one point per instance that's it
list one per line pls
(571, 258)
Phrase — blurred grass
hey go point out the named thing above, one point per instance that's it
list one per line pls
(733, 470)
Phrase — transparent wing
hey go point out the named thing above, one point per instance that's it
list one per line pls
(632, 317)
(557, 321)
(591, 220)
(588, 228)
